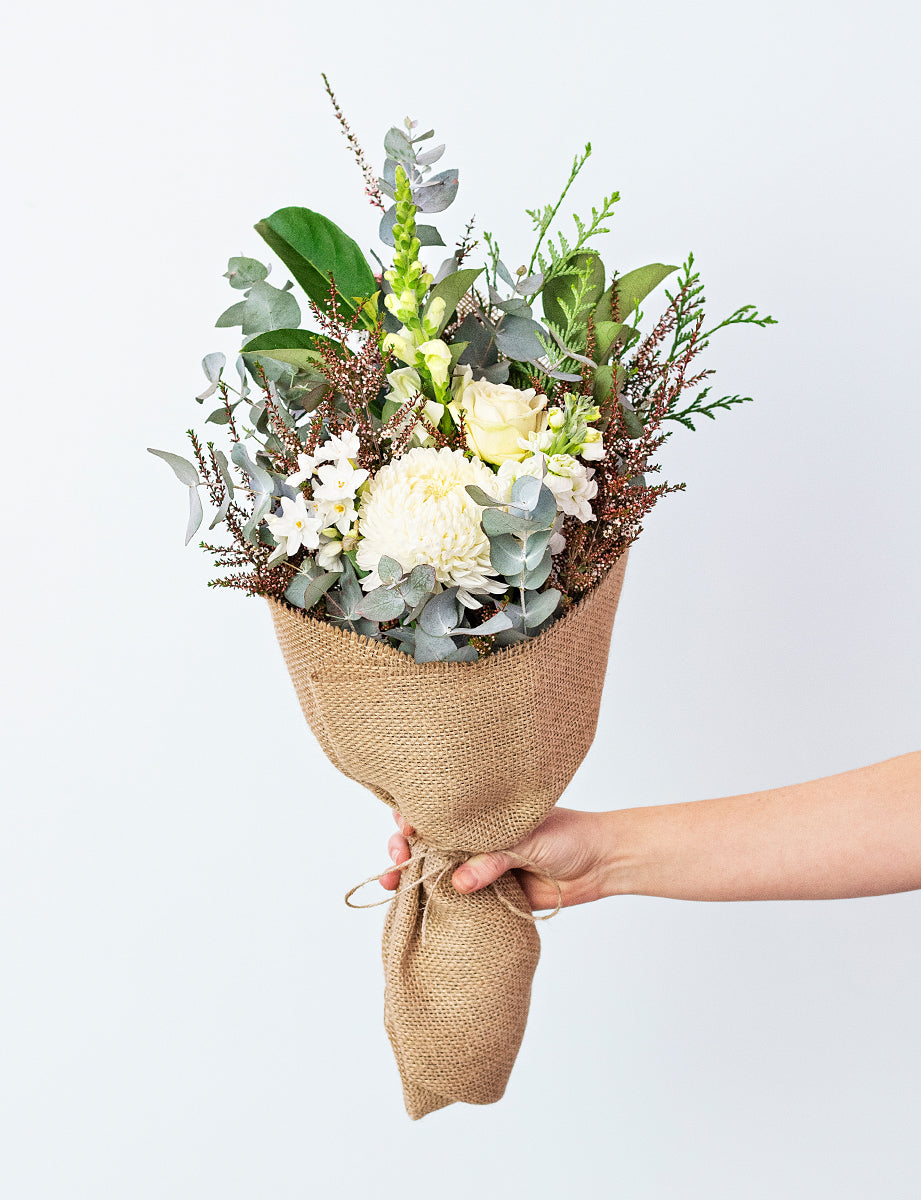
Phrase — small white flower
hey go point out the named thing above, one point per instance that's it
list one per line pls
(346, 445)
(338, 481)
(306, 465)
(337, 514)
(296, 527)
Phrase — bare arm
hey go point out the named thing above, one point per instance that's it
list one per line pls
(854, 834)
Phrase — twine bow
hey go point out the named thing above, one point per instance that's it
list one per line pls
(440, 872)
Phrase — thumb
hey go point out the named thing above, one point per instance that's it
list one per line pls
(480, 871)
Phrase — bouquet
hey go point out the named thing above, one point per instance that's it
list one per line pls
(434, 480)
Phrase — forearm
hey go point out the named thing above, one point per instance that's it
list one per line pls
(855, 834)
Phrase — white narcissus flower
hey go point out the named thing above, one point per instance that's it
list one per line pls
(438, 360)
(338, 481)
(298, 526)
(337, 514)
(345, 445)
(306, 465)
(416, 510)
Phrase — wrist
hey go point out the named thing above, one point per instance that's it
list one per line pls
(621, 852)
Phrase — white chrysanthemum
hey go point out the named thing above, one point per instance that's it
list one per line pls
(415, 510)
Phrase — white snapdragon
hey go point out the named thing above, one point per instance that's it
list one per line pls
(569, 480)
(405, 385)
(593, 446)
(297, 526)
(437, 358)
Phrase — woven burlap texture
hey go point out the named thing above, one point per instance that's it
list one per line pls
(474, 755)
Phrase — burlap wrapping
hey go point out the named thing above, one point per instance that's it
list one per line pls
(474, 755)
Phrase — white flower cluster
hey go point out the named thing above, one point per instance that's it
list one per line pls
(322, 522)
(571, 482)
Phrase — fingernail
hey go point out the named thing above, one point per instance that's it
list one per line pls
(464, 879)
(393, 855)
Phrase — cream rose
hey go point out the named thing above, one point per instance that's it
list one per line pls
(497, 415)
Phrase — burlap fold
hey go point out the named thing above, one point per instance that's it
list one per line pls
(474, 755)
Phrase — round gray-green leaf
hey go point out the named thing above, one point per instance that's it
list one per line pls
(382, 604)
(243, 272)
(304, 592)
(440, 615)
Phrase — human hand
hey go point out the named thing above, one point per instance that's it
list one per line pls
(570, 846)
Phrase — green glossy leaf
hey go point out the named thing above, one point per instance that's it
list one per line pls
(452, 288)
(632, 289)
(314, 249)
(602, 383)
(304, 592)
(297, 347)
(184, 471)
(610, 334)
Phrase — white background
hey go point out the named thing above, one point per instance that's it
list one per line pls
(187, 1008)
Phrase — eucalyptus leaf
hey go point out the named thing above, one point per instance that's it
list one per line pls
(420, 583)
(463, 654)
(497, 373)
(495, 624)
(539, 606)
(221, 512)
(184, 471)
(529, 284)
(427, 157)
(224, 470)
(536, 576)
(268, 307)
(397, 146)
(480, 497)
(382, 604)
(389, 570)
(385, 228)
(440, 615)
(496, 520)
(196, 514)
(261, 480)
(437, 193)
(504, 273)
(244, 272)
(432, 648)
(304, 591)
(231, 316)
(526, 492)
(251, 530)
(507, 555)
(212, 365)
(517, 338)
(428, 235)
(218, 417)
(544, 512)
